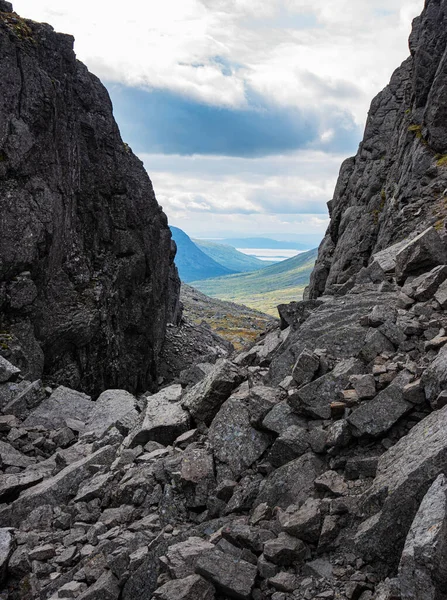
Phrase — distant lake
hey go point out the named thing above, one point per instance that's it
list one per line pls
(272, 254)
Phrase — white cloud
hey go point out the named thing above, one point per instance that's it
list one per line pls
(341, 58)
(217, 193)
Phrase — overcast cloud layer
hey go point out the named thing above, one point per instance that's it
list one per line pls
(242, 111)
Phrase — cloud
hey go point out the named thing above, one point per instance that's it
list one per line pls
(228, 188)
(162, 122)
(290, 52)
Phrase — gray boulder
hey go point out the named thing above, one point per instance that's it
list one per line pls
(105, 588)
(10, 457)
(375, 417)
(303, 522)
(281, 417)
(423, 252)
(28, 396)
(7, 546)
(441, 295)
(164, 419)
(434, 378)
(425, 286)
(234, 578)
(8, 372)
(113, 408)
(234, 441)
(63, 404)
(204, 400)
(306, 366)
(315, 398)
(292, 483)
(285, 550)
(292, 443)
(423, 564)
(192, 587)
(180, 560)
(404, 474)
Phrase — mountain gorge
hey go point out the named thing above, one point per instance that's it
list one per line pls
(311, 464)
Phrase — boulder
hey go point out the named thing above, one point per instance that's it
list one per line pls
(314, 399)
(181, 558)
(306, 366)
(63, 404)
(10, 457)
(292, 443)
(113, 408)
(423, 252)
(434, 378)
(7, 546)
(404, 474)
(234, 441)
(292, 483)
(164, 419)
(105, 588)
(281, 417)
(303, 522)
(28, 396)
(286, 550)
(56, 490)
(8, 372)
(441, 295)
(425, 286)
(233, 577)
(423, 564)
(11, 484)
(192, 587)
(204, 400)
(375, 417)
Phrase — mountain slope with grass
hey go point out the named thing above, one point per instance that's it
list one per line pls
(191, 262)
(264, 289)
(229, 257)
(265, 243)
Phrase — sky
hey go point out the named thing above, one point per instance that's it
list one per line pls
(242, 111)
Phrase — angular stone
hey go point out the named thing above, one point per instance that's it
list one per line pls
(57, 489)
(234, 441)
(387, 258)
(329, 533)
(375, 343)
(306, 366)
(423, 564)
(281, 417)
(192, 587)
(164, 419)
(242, 535)
(63, 404)
(375, 417)
(303, 522)
(44, 552)
(422, 253)
(286, 550)
(424, 287)
(94, 488)
(7, 546)
(235, 578)
(181, 558)
(331, 482)
(292, 483)
(12, 484)
(314, 399)
(28, 397)
(404, 474)
(10, 457)
(105, 588)
(8, 372)
(441, 295)
(204, 400)
(284, 582)
(364, 385)
(113, 408)
(434, 378)
(361, 467)
(338, 434)
(292, 443)
(72, 589)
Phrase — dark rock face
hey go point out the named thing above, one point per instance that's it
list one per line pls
(395, 185)
(87, 280)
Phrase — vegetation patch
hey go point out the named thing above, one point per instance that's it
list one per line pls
(441, 160)
(16, 25)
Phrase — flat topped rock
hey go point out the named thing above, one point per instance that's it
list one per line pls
(8, 372)
(113, 407)
(64, 403)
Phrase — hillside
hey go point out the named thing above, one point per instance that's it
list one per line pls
(229, 257)
(263, 290)
(191, 262)
(235, 323)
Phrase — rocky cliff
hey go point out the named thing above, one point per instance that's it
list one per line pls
(396, 184)
(87, 280)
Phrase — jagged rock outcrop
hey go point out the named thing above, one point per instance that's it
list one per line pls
(396, 184)
(87, 280)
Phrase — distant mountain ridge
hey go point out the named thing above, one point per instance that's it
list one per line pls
(264, 243)
(264, 289)
(192, 263)
(231, 258)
